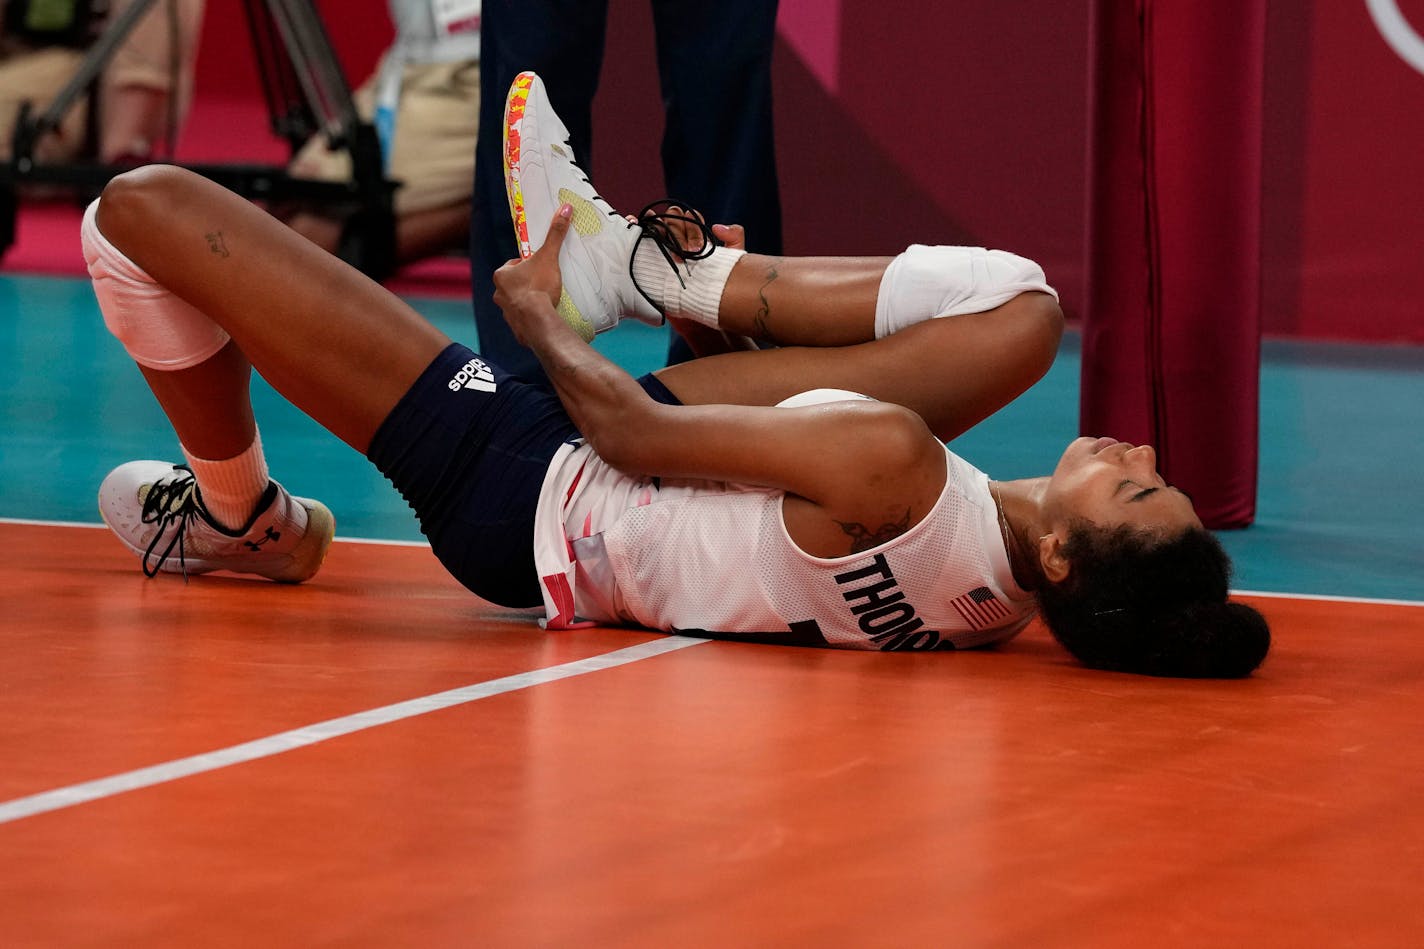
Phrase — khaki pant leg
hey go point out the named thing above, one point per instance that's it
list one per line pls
(148, 57)
(434, 152)
(36, 76)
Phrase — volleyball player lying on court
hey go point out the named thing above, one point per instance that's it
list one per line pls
(685, 501)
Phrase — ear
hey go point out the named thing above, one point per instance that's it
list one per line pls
(1051, 561)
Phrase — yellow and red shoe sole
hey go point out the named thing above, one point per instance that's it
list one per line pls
(514, 107)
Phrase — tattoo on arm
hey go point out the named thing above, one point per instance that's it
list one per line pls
(862, 538)
(216, 244)
(762, 320)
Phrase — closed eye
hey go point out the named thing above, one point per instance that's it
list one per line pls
(1140, 495)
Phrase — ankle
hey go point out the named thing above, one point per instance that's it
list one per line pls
(231, 487)
(693, 289)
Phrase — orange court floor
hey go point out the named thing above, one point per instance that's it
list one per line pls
(376, 758)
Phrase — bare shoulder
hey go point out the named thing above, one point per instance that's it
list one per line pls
(879, 478)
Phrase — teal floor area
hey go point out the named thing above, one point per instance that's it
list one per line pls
(1340, 509)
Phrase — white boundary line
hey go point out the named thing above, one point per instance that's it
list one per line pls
(28, 522)
(1329, 598)
(87, 791)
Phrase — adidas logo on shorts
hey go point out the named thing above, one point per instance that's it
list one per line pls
(475, 374)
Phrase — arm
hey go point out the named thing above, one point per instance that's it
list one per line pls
(857, 460)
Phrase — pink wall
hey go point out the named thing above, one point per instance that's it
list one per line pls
(1353, 226)
(965, 122)
(893, 127)
(359, 30)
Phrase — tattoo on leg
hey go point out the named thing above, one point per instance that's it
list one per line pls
(762, 320)
(862, 538)
(216, 243)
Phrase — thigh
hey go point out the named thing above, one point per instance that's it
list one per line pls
(338, 345)
(468, 447)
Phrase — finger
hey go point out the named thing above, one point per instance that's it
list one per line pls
(558, 228)
(504, 268)
(732, 235)
(686, 233)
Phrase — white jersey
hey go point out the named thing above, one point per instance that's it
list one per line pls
(714, 559)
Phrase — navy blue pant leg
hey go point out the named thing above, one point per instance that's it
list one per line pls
(561, 40)
(714, 65)
(718, 153)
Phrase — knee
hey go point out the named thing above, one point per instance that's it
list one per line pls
(927, 282)
(132, 195)
(1037, 326)
(132, 185)
(998, 270)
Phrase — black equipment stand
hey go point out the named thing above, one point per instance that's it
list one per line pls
(306, 94)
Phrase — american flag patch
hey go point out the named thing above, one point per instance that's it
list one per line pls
(980, 608)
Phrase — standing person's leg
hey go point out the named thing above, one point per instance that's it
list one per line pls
(714, 66)
(35, 76)
(432, 155)
(718, 151)
(561, 39)
(145, 92)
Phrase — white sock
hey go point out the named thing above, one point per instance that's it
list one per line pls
(701, 299)
(231, 487)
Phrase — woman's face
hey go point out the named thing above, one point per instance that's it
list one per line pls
(1112, 483)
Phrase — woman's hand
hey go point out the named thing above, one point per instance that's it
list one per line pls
(689, 237)
(704, 340)
(527, 291)
(731, 235)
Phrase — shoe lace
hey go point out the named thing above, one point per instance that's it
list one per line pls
(172, 503)
(654, 223)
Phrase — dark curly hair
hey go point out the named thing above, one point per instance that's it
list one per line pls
(1136, 602)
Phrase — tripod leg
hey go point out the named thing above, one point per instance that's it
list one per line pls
(9, 210)
(95, 60)
(368, 239)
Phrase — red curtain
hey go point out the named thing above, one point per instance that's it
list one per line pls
(1172, 321)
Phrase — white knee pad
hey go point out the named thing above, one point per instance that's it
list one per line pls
(158, 329)
(821, 397)
(928, 282)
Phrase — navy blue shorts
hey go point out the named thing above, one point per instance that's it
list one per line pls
(467, 447)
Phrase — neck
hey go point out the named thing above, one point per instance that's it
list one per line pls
(1018, 509)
